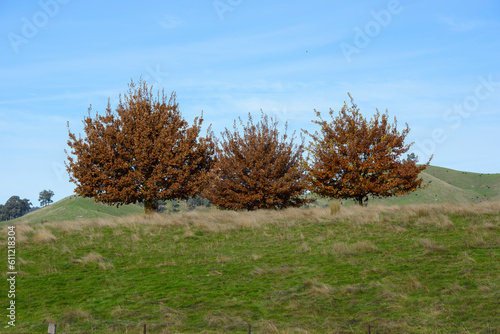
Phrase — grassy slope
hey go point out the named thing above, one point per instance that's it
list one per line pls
(76, 207)
(411, 269)
(448, 185)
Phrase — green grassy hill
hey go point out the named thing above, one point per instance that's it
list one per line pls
(76, 207)
(446, 186)
(399, 269)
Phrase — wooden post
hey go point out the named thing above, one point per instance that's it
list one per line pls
(369, 329)
(52, 328)
(144, 328)
(249, 329)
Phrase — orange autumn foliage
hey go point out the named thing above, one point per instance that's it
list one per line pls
(144, 151)
(258, 169)
(353, 158)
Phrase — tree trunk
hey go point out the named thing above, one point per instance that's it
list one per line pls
(362, 200)
(150, 206)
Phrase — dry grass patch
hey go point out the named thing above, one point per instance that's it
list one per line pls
(465, 257)
(22, 228)
(281, 270)
(134, 237)
(268, 327)
(390, 295)
(42, 235)
(97, 258)
(120, 312)
(75, 316)
(256, 257)
(223, 320)
(475, 242)
(360, 247)
(173, 317)
(357, 215)
(92, 257)
(335, 207)
(317, 288)
(432, 247)
(489, 287)
(351, 289)
(23, 231)
(304, 248)
(414, 284)
(69, 227)
(436, 220)
(221, 258)
(455, 289)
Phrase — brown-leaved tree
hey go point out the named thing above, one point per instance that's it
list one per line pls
(258, 169)
(353, 158)
(144, 151)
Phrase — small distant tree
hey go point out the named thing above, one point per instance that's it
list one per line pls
(142, 152)
(258, 169)
(411, 157)
(15, 207)
(353, 158)
(45, 197)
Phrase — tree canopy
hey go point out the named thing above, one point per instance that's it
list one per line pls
(144, 151)
(257, 169)
(15, 207)
(353, 158)
(45, 197)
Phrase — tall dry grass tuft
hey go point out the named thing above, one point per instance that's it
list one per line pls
(469, 209)
(360, 247)
(437, 220)
(414, 284)
(42, 235)
(23, 231)
(357, 215)
(223, 320)
(97, 258)
(267, 326)
(335, 207)
(76, 316)
(432, 247)
(172, 316)
(317, 288)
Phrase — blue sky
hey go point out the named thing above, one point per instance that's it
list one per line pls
(432, 64)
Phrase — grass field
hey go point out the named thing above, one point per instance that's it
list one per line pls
(401, 269)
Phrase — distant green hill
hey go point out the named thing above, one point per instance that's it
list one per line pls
(446, 185)
(76, 207)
